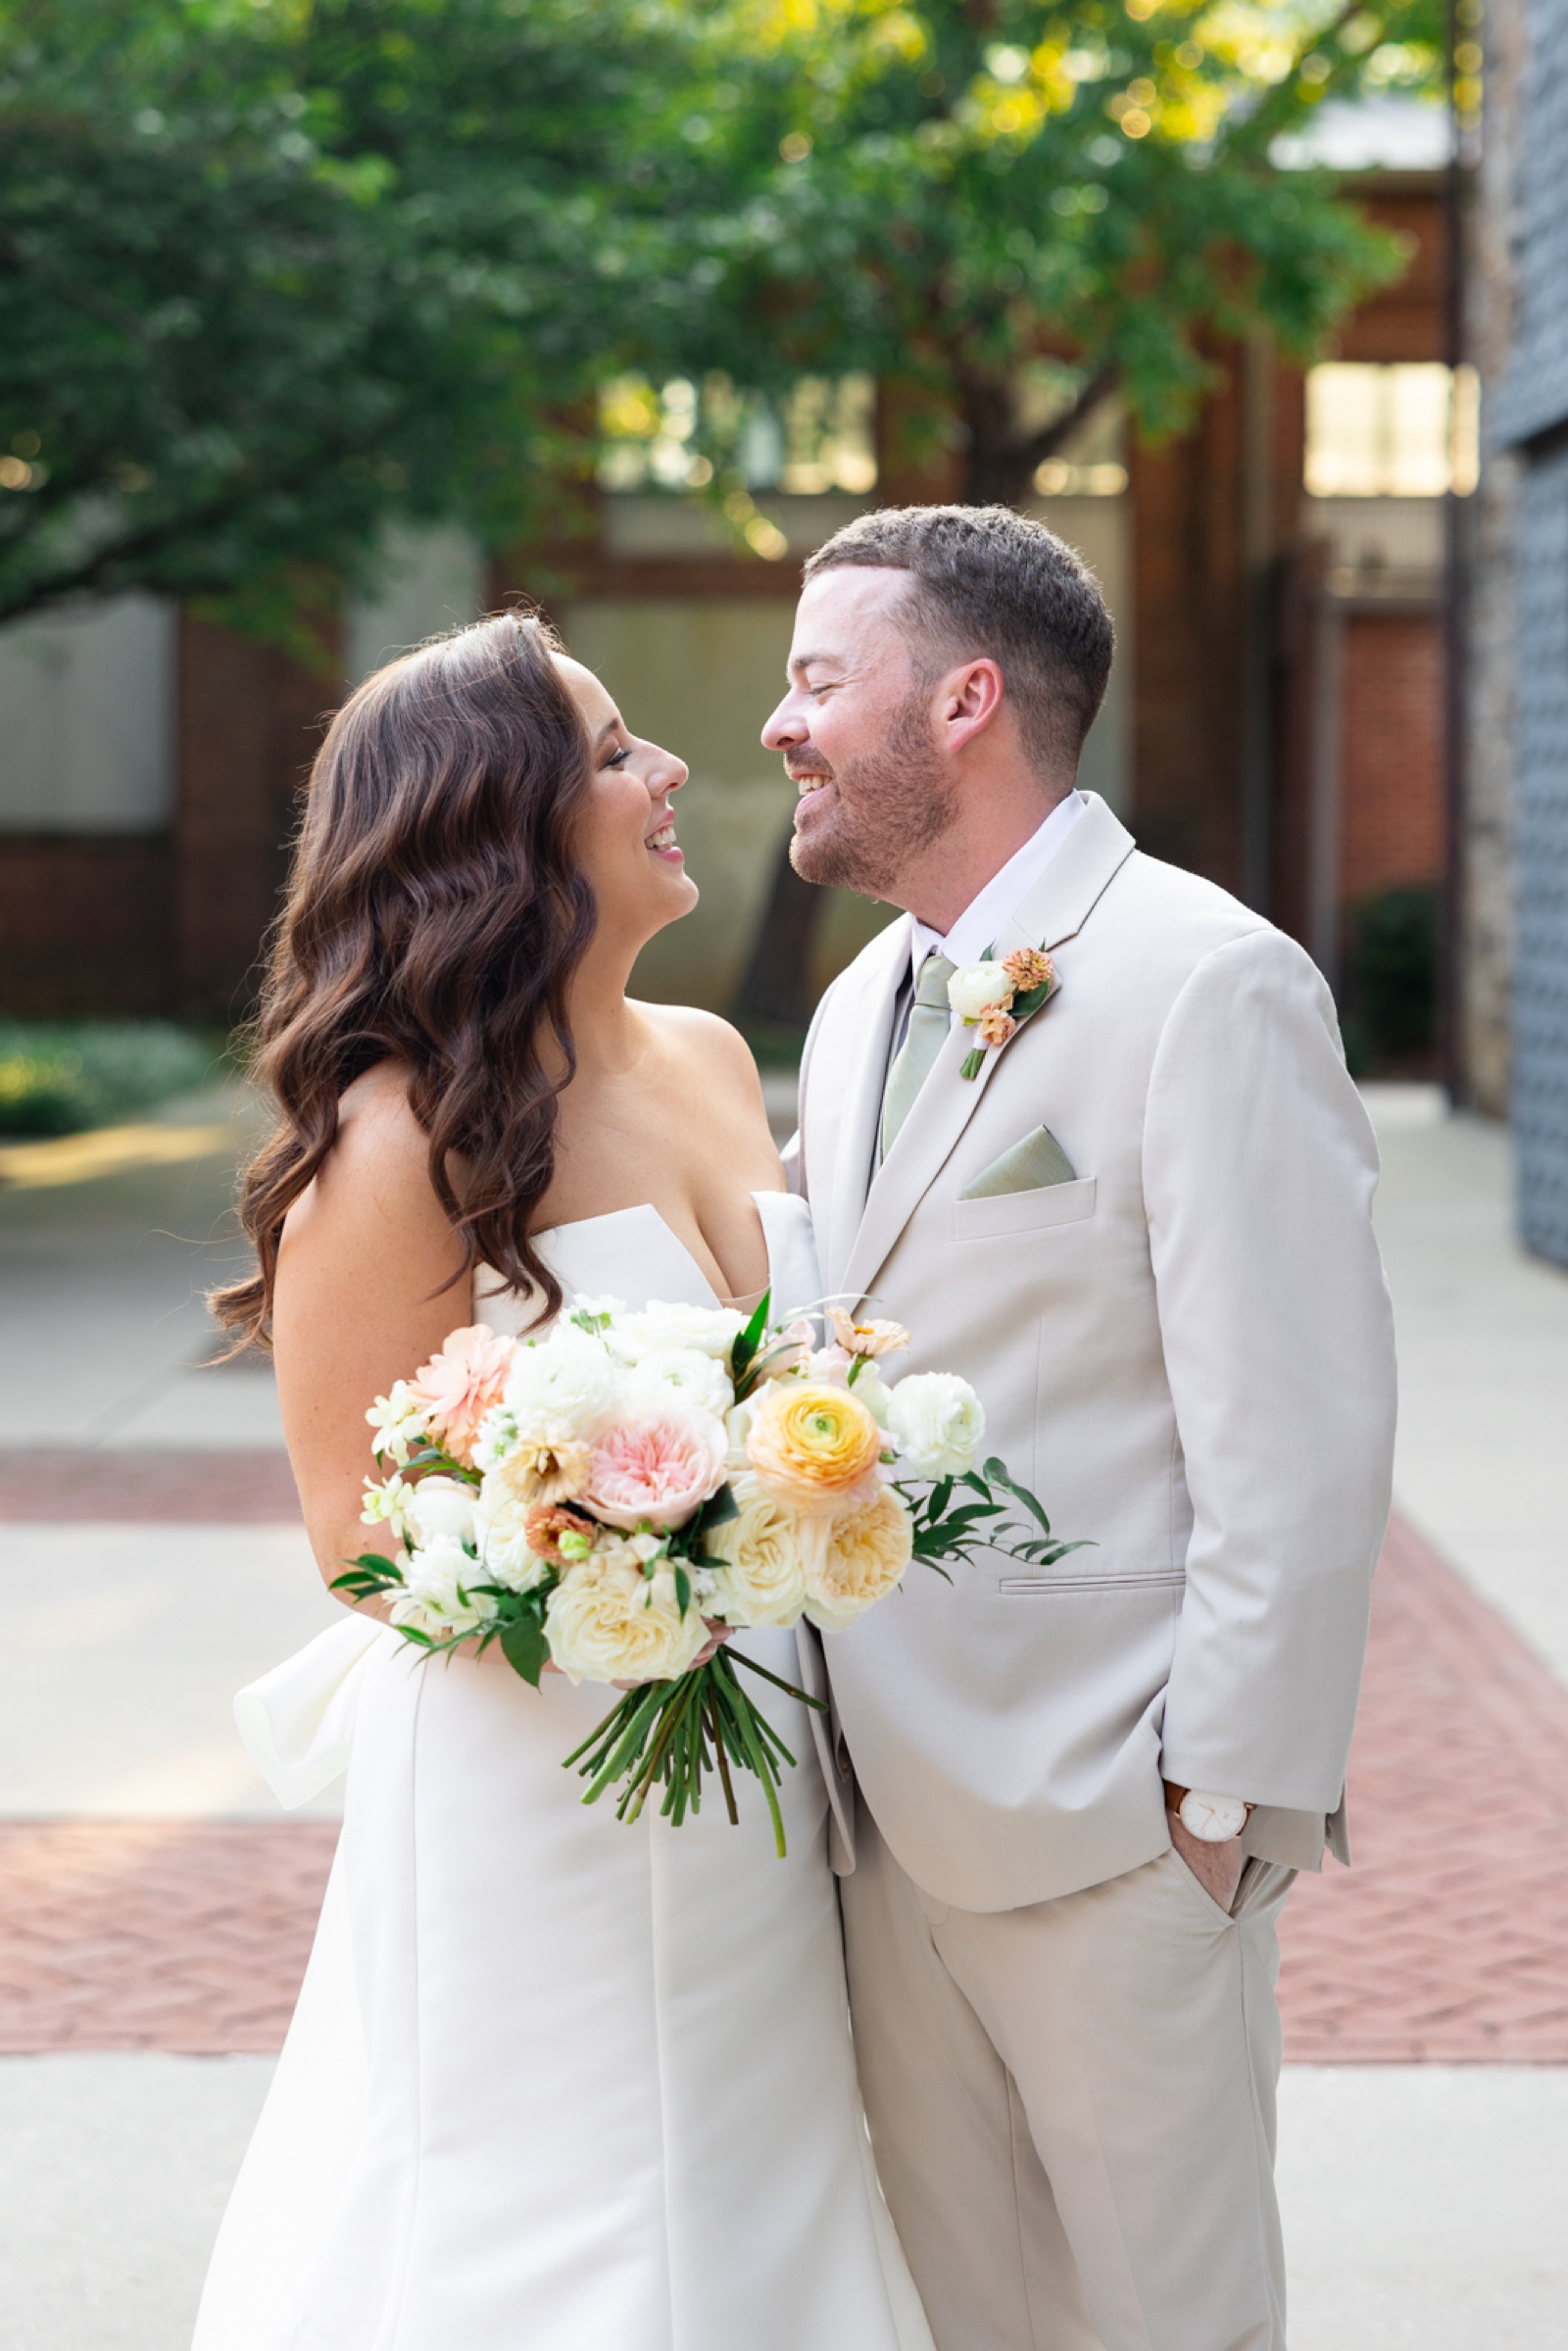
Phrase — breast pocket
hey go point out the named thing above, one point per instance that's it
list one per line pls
(1025, 1211)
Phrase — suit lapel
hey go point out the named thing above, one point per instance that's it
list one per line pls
(848, 1080)
(1057, 906)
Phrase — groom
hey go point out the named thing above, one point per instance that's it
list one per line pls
(1076, 1799)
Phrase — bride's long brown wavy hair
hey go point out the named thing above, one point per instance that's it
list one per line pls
(434, 917)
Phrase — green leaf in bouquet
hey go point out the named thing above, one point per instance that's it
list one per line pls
(683, 1589)
(365, 1576)
(432, 1456)
(524, 1645)
(716, 1511)
(999, 1475)
(744, 1348)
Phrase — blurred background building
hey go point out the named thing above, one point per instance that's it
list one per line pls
(1274, 721)
(1341, 598)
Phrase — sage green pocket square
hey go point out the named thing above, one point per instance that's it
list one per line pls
(1039, 1160)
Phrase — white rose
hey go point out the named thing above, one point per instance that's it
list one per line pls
(499, 1522)
(438, 1595)
(977, 988)
(712, 1330)
(567, 1381)
(761, 1576)
(687, 1372)
(937, 1424)
(874, 1392)
(607, 1621)
(437, 1507)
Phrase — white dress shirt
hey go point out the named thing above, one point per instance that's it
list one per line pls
(983, 917)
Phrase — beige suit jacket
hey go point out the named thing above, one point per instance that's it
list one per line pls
(1187, 1352)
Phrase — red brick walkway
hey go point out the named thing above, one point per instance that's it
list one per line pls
(155, 1934)
(233, 1486)
(1448, 1940)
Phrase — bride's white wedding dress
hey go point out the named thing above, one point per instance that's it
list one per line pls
(555, 2083)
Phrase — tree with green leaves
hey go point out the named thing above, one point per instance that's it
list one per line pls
(270, 275)
(1017, 205)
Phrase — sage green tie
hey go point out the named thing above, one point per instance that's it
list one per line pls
(923, 1039)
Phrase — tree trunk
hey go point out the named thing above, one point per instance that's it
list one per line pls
(777, 987)
(1000, 458)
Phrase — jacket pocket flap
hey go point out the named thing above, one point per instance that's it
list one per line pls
(1025, 1211)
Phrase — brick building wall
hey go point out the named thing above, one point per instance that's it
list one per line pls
(84, 926)
(250, 719)
(171, 923)
(1226, 599)
(1392, 822)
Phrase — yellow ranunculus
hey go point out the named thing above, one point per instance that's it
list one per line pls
(813, 1446)
(853, 1559)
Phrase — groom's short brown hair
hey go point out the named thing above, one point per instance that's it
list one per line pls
(986, 580)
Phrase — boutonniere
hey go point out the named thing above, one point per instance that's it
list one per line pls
(997, 999)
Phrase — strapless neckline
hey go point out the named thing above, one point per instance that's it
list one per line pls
(643, 1211)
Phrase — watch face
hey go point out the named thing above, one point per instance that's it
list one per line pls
(1212, 1820)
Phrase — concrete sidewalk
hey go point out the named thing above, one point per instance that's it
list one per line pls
(1423, 2202)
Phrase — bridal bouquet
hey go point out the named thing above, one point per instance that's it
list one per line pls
(616, 1496)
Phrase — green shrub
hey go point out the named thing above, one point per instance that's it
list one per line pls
(1390, 1010)
(59, 1077)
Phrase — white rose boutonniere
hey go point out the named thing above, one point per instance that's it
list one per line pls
(996, 999)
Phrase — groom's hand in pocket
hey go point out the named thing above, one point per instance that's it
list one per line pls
(1217, 1867)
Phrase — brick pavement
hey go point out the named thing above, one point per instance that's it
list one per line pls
(1448, 1942)
(239, 1485)
(189, 1937)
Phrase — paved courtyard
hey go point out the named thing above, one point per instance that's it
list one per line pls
(156, 1909)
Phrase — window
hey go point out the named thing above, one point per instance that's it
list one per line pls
(816, 437)
(1403, 432)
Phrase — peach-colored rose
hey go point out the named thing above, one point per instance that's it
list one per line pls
(814, 1446)
(657, 1464)
(457, 1388)
(1029, 968)
(853, 1559)
(995, 1028)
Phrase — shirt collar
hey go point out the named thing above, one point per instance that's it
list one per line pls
(983, 917)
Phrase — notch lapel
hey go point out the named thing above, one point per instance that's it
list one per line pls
(851, 1078)
(1058, 906)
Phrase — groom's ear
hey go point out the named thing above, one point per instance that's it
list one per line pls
(968, 700)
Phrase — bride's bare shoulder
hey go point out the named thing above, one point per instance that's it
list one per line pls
(708, 1044)
(375, 1180)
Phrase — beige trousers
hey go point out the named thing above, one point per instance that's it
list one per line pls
(1072, 2106)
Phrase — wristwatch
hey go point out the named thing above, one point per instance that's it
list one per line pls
(1213, 1820)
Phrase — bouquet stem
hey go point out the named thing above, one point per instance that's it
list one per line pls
(659, 1733)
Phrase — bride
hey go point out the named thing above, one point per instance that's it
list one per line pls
(553, 2083)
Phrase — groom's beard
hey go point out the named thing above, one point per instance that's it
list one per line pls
(885, 808)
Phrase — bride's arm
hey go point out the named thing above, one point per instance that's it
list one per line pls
(367, 1287)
